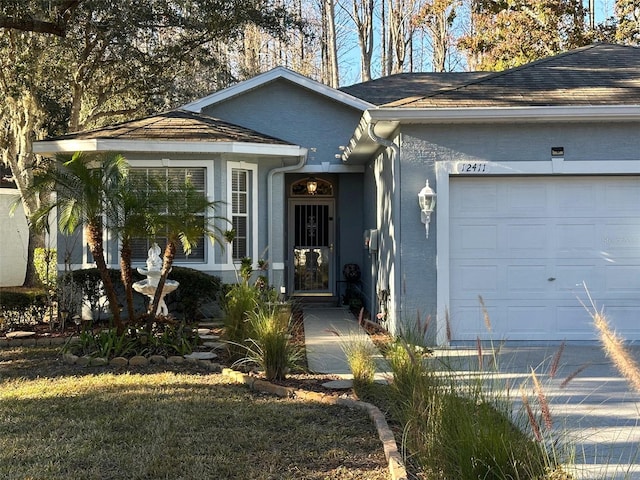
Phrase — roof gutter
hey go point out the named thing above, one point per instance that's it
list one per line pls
(504, 114)
(302, 160)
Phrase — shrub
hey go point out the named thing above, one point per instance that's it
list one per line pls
(196, 288)
(45, 263)
(20, 306)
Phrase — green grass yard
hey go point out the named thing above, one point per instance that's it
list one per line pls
(65, 422)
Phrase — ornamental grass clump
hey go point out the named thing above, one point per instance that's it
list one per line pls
(459, 419)
(270, 345)
(360, 352)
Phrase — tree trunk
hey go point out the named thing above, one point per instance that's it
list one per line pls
(332, 44)
(94, 237)
(127, 277)
(36, 240)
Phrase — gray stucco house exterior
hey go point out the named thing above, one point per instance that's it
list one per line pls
(536, 171)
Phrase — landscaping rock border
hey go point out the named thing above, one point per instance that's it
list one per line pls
(395, 464)
(137, 361)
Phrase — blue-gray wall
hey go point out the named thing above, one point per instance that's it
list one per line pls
(422, 147)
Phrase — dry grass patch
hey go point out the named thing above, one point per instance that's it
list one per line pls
(172, 424)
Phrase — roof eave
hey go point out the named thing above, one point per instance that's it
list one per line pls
(387, 120)
(50, 147)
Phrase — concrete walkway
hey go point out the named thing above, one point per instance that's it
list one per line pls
(326, 332)
(597, 413)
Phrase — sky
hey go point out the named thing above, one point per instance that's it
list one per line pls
(349, 59)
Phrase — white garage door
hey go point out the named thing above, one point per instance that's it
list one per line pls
(527, 244)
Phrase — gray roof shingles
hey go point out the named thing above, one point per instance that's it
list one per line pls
(177, 125)
(599, 74)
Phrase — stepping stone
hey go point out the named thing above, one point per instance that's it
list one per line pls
(338, 384)
(214, 345)
(209, 337)
(201, 356)
(20, 334)
(204, 331)
(211, 324)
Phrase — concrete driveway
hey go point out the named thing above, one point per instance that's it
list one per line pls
(597, 411)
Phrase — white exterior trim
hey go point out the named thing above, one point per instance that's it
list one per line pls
(503, 114)
(125, 146)
(273, 75)
(448, 169)
(253, 214)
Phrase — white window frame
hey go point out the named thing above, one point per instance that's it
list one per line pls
(252, 214)
(208, 165)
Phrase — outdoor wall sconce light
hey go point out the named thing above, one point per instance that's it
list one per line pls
(312, 186)
(427, 202)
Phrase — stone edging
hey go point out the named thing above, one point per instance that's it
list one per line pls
(137, 361)
(394, 459)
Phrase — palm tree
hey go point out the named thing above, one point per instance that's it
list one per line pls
(186, 221)
(134, 218)
(85, 189)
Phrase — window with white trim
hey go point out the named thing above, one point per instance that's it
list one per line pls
(240, 209)
(167, 176)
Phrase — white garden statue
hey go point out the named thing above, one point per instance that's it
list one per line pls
(148, 287)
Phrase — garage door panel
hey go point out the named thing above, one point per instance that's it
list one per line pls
(622, 196)
(475, 278)
(569, 279)
(526, 278)
(527, 197)
(474, 238)
(530, 238)
(620, 238)
(625, 319)
(574, 238)
(530, 244)
(574, 323)
(621, 279)
(530, 321)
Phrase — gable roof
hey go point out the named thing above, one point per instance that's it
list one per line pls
(599, 74)
(175, 130)
(278, 73)
(402, 85)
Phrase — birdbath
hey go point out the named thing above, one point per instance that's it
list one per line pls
(149, 286)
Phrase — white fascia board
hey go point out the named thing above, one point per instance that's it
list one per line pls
(270, 76)
(110, 145)
(503, 114)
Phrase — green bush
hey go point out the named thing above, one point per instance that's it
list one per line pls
(20, 306)
(196, 288)
(45, 263)
(162, 339)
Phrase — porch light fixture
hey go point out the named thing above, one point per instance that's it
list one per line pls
(312, 186)
(427, 202)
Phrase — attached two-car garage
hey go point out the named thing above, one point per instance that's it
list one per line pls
(529, 245)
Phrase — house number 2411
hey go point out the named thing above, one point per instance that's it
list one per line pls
(476, 167)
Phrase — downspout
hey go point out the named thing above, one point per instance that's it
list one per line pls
(396, 167)
(290, 168)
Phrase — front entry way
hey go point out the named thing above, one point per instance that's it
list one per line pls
(311, 240)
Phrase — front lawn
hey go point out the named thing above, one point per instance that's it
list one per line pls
(65, 422)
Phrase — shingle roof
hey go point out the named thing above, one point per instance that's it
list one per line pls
(600, 74)
(403, 85)
(177, 125)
